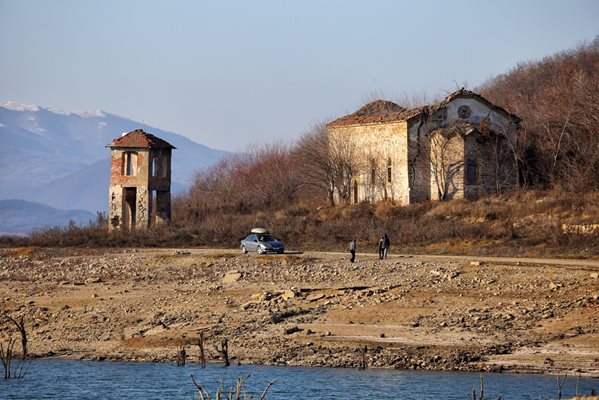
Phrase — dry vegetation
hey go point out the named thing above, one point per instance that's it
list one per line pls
(291, 189)
(558, 101)
(525, 224)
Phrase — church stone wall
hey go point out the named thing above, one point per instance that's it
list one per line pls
(381, 143)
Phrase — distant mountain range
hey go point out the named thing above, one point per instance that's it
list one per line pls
(22, 217)
(59, 159)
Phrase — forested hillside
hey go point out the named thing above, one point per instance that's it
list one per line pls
(558, 101)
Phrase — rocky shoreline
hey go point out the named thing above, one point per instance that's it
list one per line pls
(308, 309)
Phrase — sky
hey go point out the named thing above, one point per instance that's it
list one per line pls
(234, 74)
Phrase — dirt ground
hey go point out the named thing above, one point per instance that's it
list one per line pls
(312, 309)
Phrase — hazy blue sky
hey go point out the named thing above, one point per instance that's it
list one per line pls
(232, 73)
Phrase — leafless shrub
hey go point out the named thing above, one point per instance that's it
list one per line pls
(234, 393)
(20, 325)
(7, 354)
(557, 98)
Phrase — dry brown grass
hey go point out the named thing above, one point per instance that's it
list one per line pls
(527, 223)
(23, 251)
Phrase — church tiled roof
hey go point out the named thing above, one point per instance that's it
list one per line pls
(140, 139)
(378, 111)
(381, 111)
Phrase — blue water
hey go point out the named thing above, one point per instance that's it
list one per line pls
(58, 379)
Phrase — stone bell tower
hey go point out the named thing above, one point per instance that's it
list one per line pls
(140, 181)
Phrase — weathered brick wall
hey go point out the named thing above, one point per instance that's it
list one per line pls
(381, 142)
(161, 178)
(144, 181)
(117, 177)
(117, 208)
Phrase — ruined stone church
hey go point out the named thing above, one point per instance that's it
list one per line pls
(461, 147)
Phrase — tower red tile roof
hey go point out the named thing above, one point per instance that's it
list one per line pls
(140, 139)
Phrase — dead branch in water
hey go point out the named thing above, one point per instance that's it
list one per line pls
(235, 392)
(224, 351)
(201, 343)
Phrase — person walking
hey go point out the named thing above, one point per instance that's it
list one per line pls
(352, 250)
(381, 246)
(386, 244)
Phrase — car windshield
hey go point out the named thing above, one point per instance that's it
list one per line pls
(266, 238)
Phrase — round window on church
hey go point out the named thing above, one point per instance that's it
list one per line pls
(463, 112)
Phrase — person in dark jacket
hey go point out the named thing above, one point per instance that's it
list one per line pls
(352, 250)
(386, 244)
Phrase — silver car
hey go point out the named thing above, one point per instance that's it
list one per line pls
(262, 243)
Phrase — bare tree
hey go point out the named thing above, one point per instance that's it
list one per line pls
(315, 164)
(271, 177)
(560, 383)
(20, 324)
(328, 162)
(345, 160)
(444, 167)
(7, 353)
(558, 100)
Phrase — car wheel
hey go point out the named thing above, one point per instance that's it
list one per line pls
(244, 250)
(260, 250)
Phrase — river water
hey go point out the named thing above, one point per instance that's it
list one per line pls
(60, 379)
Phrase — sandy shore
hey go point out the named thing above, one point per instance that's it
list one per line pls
(312, 309)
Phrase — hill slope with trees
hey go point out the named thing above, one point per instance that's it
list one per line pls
(290, 188)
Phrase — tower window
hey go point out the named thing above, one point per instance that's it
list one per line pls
(155, 166)
(129, 163)
(389, 170)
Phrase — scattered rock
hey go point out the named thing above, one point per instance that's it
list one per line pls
(148, 303)
(315, 297)
(291, 330)
(231, 277)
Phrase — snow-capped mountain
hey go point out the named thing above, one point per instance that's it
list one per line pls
(60, 158)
